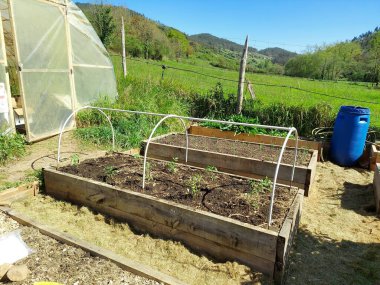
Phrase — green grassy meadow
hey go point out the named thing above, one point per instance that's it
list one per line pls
(198, 84)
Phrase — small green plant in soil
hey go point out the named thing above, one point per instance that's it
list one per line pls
(262, 186)
(172, 165)
(258, 188)
(212, 169)
(110, 170)
(194, 183)
(74, 159)
(303, 154)
(148, 171)
(136, 155)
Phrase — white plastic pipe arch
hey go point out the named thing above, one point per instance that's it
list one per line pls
(150, 138)
(68, 119)
(165, 116)
(278, 168)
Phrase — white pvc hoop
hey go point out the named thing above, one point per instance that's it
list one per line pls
(182, 118)
(278, 168)
(68, 119)
(150, 138)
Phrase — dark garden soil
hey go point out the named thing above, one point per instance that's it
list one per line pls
(239, 148)
(241, 199)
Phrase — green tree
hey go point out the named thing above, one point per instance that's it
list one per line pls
(102, 20)
(374, 55)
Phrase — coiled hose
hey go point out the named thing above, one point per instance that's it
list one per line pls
(324, 135)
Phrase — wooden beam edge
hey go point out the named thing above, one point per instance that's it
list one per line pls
(217, 133)
(121, 261)
(286, 237)
(22, 191)
(264, 162)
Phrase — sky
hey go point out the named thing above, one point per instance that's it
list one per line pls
(294, 25)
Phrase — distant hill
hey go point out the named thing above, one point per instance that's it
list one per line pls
(278, 55)
(218, 43)
(149, 39)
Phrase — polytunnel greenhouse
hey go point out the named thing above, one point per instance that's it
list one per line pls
(55, 62)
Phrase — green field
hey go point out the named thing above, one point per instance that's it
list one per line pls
(195, 83)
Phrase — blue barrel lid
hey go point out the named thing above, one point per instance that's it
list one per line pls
(354, 110)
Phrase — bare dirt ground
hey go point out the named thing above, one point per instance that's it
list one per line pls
(44, 154)
(338, 241)
(339, 237)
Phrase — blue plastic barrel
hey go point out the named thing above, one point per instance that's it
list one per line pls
(350, 132)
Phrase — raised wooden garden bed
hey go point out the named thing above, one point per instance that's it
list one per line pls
(264, 139)
(376, 187)
(374, 157)
(224, 238)
(237, 157)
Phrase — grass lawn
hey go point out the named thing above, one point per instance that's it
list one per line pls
(196, 83)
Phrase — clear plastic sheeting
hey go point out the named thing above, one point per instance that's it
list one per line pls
(93, 69)
(84, 35)
(62, 63)
(13, 248)
(48, 102)
(42, 42)
(92, 83)
(43, 60)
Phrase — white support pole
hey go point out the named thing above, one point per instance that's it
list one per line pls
(278, 168)
(123, 47)
(68, 119)
(150, 138)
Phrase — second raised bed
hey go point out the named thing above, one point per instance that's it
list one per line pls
(237, 157)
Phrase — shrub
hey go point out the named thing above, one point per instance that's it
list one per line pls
(11, 146)
(131, 129)
(215, 104)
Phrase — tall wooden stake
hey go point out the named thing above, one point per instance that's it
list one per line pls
(243, 64)
(123, 46)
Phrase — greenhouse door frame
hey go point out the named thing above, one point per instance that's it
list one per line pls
(7, 86)
(63, 8)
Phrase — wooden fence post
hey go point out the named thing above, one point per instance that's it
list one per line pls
(123, 47)
(250, 89)
(243, 64)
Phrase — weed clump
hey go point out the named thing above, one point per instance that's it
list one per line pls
(11, 146)
(257, 188)
(195, 183)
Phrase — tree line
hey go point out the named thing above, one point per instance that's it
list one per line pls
(355, 60)
(144, 38)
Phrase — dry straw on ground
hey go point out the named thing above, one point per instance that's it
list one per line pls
(167, 256)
